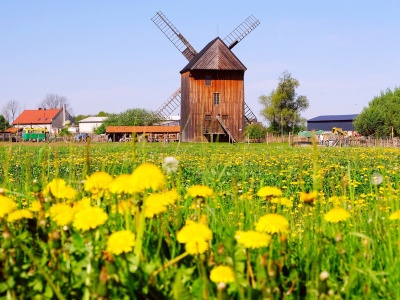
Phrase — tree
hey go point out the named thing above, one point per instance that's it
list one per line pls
(132, 117)
(101, 129)
(256, 131)
(55, 101)
(11, 110)
(3, 123)
(381, 117)
(80, 117)
(282, 106)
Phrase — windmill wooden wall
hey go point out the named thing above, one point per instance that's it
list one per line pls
(214, 70)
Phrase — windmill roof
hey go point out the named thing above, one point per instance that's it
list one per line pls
(215, 56)
(333, 118)
(38, 116)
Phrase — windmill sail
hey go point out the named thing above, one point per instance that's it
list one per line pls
(249, 116)
(241, 31)
(169, 106)
(174, 35)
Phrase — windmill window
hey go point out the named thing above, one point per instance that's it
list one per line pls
(225, 116)
(208, 80)
(208, 117)
(216, 98)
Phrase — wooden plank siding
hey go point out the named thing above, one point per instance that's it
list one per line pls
(198, 112)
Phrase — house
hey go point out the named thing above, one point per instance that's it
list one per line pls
(326, 123)
(89, 124)
(53, 119)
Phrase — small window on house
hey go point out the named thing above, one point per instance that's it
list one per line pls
(208, 117)
(208, 80)
(216, 98)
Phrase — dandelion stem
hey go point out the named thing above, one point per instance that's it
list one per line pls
(170, 263)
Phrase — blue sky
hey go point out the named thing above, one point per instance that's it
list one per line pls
(109, 55)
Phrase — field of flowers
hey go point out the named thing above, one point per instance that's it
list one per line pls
(198, 221)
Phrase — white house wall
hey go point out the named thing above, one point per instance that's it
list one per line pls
(88, 127)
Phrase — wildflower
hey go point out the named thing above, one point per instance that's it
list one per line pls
(223, 274)
(19, 214)
(147, 176)
(272, 223)
(58, 188)
(252, 239)
(121, 207)
(89, 218)
(97, 183)
(200, 191)
(376, 179)
(121, 185)
(35, 206)
(121, 241)
(395, 215)
(61, 213)
(336, 215)
(170, 164)
(82, 204)
(6, 206)
(282, 201)
(195, 237)
(269, 191)
(154, 206)
(308, 197)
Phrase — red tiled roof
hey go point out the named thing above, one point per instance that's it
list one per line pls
(38, 116)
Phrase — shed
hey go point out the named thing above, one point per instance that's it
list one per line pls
(327, 122)
(90, 124)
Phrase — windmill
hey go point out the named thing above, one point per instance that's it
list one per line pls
(211, 95)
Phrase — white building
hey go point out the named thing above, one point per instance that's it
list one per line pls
(90, 124)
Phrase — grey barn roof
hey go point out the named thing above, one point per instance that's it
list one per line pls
(331, 118)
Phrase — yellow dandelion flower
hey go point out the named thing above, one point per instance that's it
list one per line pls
(121, 241)
(61, 213)
(223, 274)
(272, 223)
(395, 215)
(336, 215)
(89, 218)
(252, 239)
(169, 197)
(147, 176)
(122, 207)
(58, 188)
(153, 206)
(97, 183)
(121, 184)
(269, 191)
(19, 214)
(201, 191)
(308, 197)
(195, 236)
(6, 206)
(35, 206)
(282, 201)
(82, 204)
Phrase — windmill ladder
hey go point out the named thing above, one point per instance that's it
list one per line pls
(226, 129)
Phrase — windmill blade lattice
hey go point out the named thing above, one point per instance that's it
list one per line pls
(169, 106)
(241, 31)
(174, 35)
(249, 116)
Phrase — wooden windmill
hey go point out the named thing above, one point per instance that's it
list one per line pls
(211, 95)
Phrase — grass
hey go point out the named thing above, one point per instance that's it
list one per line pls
(313, 259)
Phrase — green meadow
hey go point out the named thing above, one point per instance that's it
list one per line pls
(198, 221)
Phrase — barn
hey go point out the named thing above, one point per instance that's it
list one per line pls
(326, 123)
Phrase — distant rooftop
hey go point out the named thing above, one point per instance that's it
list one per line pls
(93, 120)
(330, 118)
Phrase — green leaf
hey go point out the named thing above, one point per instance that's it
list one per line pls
(179, 291)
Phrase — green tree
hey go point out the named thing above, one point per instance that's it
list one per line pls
(3, 123)
(256, 131)
(381, 116)
(282, 107)
(101, 129)
(80, 117)
(133, 117)
(103, 114)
